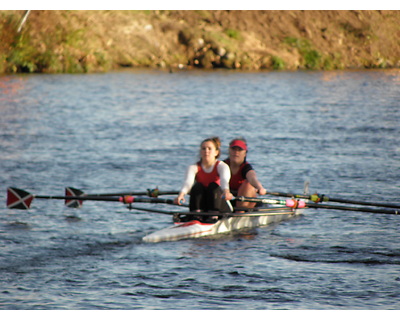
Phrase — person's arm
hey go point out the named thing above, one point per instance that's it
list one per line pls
(187, 184)
(225, 175)
(251, 177)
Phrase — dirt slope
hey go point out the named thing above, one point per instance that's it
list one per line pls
(85, 41)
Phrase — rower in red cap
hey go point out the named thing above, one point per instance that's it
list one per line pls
(243, 180)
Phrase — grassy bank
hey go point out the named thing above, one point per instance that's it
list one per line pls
(96, 41)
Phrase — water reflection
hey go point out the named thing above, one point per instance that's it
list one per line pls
(9, 87)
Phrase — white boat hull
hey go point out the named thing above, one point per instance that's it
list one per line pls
(196, 229)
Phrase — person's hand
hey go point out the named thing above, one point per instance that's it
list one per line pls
(227, 195)
(179, 199)
(262, 191)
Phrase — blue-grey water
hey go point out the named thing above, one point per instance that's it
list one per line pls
(137, 130)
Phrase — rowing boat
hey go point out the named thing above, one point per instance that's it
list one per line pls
(229, 223)
(275, 211)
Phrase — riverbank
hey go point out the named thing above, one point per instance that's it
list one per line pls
(99, 41)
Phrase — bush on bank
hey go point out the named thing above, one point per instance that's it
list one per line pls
(99, 41)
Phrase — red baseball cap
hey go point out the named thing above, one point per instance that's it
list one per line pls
(238, 143)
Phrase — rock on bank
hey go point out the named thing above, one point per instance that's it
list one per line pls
(91, 41)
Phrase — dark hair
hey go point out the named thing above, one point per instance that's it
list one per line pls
(217, 143)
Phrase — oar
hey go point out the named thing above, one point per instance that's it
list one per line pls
(154, 193)
(73, 192)
(250, 213)
(292, 203)
(323, 198)
(362, 209)
(21, 199)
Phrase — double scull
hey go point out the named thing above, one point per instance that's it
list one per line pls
(228, 223)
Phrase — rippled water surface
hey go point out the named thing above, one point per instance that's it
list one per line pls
(138, 130)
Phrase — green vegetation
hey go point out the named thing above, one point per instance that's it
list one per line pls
(61, 50)
(234, 34)
(312, 58)
(97, 41)
(277, 63)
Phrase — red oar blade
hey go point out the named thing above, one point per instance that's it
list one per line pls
(72, 192)
(18, 199)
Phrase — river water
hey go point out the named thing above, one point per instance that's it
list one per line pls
(138, 130)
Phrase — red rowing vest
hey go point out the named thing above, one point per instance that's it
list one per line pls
(237, 178)
(206, 178)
